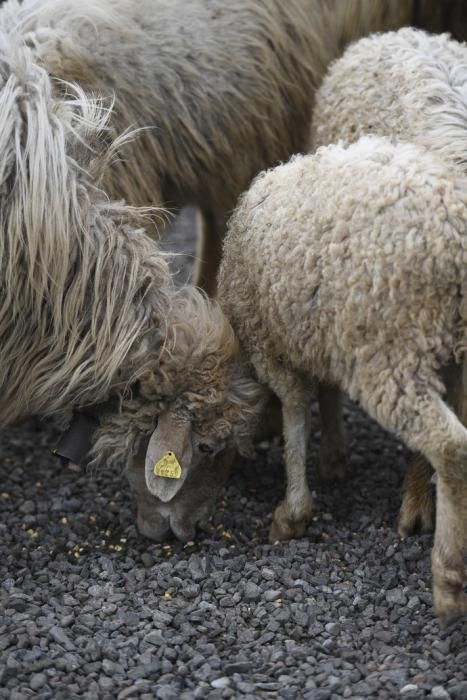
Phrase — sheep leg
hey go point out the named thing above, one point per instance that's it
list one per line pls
(417, 512)
(409, 405)
(271, 422)
(294, 513)
(332, 457)
(445, 445)
(451, 507)
(209, 251)
(447, 563)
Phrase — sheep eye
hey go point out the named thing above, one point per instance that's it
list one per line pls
(204, 448)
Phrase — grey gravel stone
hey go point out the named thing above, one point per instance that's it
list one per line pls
(317, 694)
(130, 691)
(165, 692)
(37, 681)
(238, 667)
(191, 591)
(396, 596)
(28, 507)
(439, 693)
(106, 683)
(227, 601)
(252, 591)
(268, 573)
(383, 635)
(59, 636)
(458, 691)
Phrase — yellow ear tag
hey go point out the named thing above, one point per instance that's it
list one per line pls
(168, 466)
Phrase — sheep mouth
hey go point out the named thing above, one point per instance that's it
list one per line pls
(160, 526)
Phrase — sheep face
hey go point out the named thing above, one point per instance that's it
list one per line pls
(177, 478)
(191, 505)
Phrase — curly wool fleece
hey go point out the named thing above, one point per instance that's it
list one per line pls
(349, 267)
(346, 264)
(406, 85)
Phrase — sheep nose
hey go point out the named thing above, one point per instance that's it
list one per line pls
(153, 526)
(184, 532)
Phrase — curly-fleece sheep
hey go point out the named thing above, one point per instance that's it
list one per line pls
(411, 86)
(222, 90)
(348, 268)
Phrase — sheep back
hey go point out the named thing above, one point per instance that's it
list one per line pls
(406, 85)
(344, 254)
(222, 90)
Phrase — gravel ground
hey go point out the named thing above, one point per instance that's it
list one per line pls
(90, 609)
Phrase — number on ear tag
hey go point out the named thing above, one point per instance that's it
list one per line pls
(168, 466)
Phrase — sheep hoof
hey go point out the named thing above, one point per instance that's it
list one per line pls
(416, 515)
(285, 527)
(332, 464)
(449, 599)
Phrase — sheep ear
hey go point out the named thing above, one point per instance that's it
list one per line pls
(168, 457)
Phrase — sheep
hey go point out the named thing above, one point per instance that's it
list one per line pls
(348, 268)
(90, 317)
(412, 86)
(221, 90)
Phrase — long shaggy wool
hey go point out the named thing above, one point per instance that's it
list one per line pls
(223, 90)
(199, 374)
(82, 287)
(89, 310)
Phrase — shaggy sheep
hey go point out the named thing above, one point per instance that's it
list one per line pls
(411, 86)
(221, 89)
(90, 317)
(348, 268)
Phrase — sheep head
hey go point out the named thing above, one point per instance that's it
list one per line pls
(196, 403)
(179, 474)
(216, 408)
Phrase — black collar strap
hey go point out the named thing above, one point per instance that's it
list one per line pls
(76, 441)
